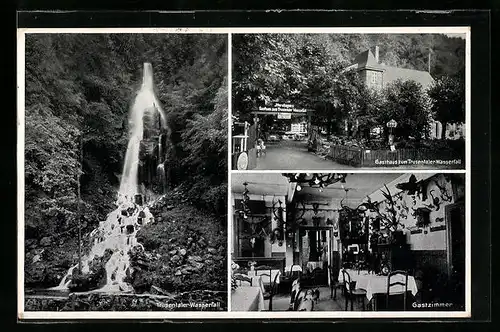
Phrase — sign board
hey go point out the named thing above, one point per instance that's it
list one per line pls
(392, 124)
(284, 116)
(282, 108)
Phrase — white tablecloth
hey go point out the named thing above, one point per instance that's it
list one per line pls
(295, 268)
(313, 265)
(256, 282)
(374, 284)
(247, 299)
(265, 278)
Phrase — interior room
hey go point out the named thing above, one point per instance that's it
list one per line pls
(360, 241)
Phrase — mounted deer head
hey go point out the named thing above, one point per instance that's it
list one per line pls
(444, 193)
(411, 186)
(435, 200)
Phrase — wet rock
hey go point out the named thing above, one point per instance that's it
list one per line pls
(172, 252)
(197, 265)
(212, 250)
(36, 258)
(195, 258)
(178, 273)
(30, 243)
(170, 207)
(209, 262)
(158, 291)
(46, 241)
(182, 252)
(175, 258)
(185, 271)
(126, 288)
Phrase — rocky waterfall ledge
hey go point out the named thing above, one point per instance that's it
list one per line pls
(203, 300)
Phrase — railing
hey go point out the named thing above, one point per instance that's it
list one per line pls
(355, 156)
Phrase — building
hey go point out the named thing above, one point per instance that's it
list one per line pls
(326, 227)
(378, 75)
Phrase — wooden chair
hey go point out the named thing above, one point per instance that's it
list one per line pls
(288, 278)
(351, 292)
(304, 300)
(268, 295)
(391, 284)
(243, 278)
(334, 282)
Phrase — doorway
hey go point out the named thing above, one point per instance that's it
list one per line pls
(315, 253)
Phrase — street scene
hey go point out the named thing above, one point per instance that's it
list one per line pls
(329, 101)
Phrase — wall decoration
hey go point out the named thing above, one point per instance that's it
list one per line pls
(422, 214)
(438, 228)
(315, 180)
(435, 200)
(445, 195)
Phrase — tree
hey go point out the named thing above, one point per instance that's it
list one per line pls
(406, 103)
(448, 100)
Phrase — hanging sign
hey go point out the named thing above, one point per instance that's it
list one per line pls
(392, 124)
(282, 108)
(285, 116)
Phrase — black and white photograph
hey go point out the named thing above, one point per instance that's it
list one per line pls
(329, 101)
(124, 172)
(348, 242)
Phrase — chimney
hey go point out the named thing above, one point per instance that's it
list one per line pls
(376, 54)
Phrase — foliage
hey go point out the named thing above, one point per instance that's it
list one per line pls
(79, 88)
(307, 70)
(406, 103)
(448, 100)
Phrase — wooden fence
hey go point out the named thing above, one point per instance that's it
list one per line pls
(359, 157)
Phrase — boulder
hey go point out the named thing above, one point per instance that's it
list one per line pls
(212, 251)
(182, 252)
(178, 273)
(195, 258)
(185, 271)
(46, 241)
(197, 265)
(175, 258)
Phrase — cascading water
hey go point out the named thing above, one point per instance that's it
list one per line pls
(118, 232)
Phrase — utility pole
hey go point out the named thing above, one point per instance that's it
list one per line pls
(79, 208)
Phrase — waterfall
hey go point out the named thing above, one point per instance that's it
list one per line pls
(118, 232)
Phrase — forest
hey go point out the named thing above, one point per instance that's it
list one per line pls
(79, 90)
(309, 70)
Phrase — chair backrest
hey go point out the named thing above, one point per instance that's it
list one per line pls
(401, 280)
(243, 278)
(317, 271)
(295, 273)
(305, 301)
(347, 281)
(272, 287)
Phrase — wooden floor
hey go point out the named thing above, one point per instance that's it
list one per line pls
(325, 303)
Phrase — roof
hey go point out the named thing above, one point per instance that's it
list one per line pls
(392, 74)
(366, 60)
